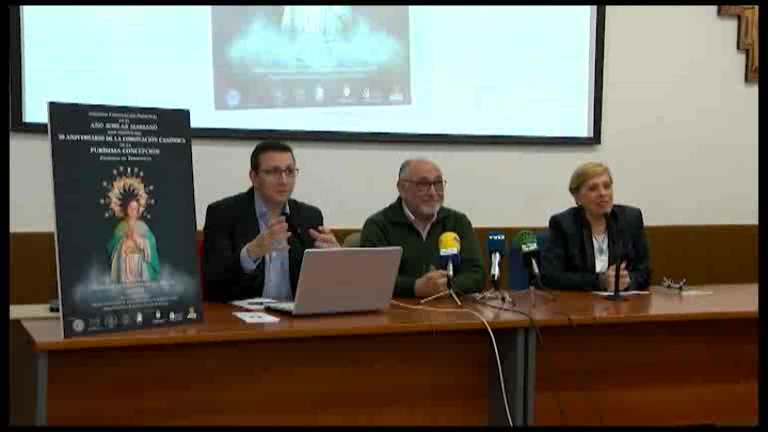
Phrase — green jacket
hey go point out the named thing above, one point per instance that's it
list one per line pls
(391, 227)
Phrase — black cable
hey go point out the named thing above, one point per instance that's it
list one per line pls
(594, 406)
(540, 340)
(548, 359)
(573, 325)
(599, 413)
(568, 316)
(530, 318)
(555, 296)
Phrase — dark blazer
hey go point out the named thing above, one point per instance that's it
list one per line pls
(229, 225)
(568, 259)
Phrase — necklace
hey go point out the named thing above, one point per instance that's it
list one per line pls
(601, 242)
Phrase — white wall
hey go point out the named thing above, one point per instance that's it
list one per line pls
(680, 132)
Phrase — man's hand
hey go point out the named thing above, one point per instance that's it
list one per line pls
(270, 240)
(324, 238)
(434, 282)
(608, 278)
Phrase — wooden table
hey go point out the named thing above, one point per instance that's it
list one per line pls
(21, 358)
(400, 367)
(659, 359)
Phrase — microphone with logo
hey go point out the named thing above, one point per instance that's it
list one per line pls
(450, 246)
(497, 245)
(529, 250)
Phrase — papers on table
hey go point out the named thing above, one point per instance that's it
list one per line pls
(695, 292)
(627, 293)
(686, 291)
(255, 304)
(256, 317)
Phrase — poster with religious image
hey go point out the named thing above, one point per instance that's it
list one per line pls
(125, 218)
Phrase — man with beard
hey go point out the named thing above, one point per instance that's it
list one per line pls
(415, 222)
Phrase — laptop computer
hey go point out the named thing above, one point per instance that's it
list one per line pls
(344, 280)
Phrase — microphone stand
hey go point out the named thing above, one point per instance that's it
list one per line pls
(496, 293)
(616, 296)
(532, 290)
(449, 291)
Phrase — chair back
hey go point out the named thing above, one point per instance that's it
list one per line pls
(352, 240)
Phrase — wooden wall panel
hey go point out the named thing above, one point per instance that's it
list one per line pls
(32, 268)
(700, 253)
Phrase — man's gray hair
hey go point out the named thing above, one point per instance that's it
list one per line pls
(403, 171)
(404, 168)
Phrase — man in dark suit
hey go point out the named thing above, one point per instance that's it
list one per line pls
(254, 241)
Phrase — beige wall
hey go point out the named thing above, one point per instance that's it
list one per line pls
(680, 131)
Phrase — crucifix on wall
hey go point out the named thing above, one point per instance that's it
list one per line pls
(748, 34)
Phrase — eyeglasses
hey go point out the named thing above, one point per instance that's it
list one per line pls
(669, 283)
(276, 173)
(423, 186)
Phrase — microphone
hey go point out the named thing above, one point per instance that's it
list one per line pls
(496, 246)
(289, 220)
(612, 230)
(529, 250)
(291, 227)
(450, 246)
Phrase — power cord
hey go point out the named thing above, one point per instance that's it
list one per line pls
(493, 341)
(539, 339)
(540, 342)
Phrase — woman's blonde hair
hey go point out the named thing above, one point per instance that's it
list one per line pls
(586, 172)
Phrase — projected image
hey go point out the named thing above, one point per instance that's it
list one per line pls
(310, 56)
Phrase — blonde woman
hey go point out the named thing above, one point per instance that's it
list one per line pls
(590, 242)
